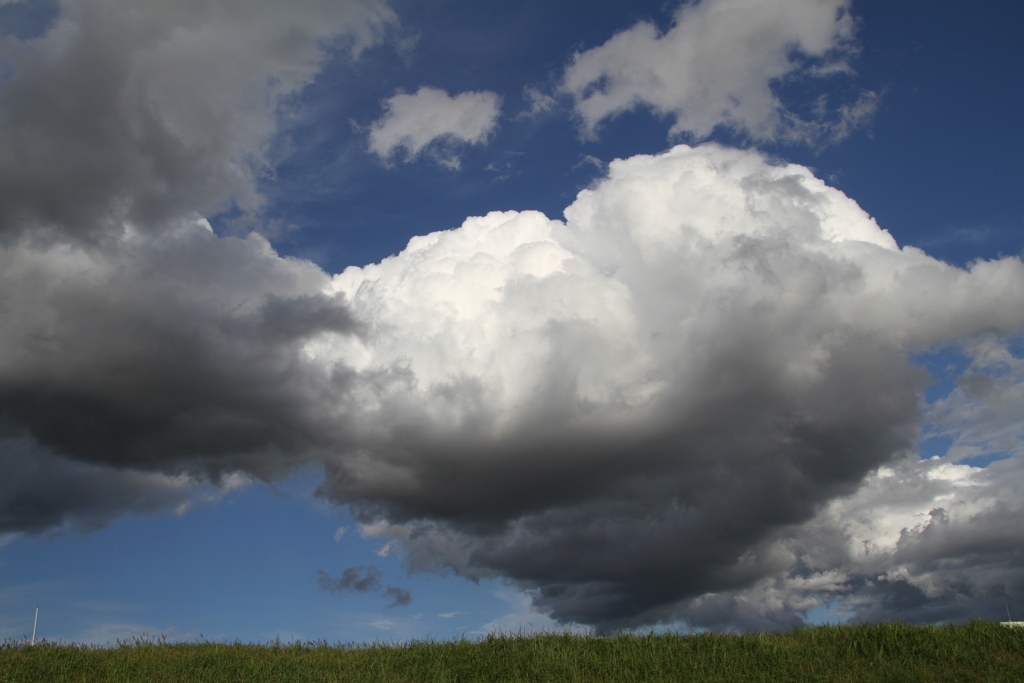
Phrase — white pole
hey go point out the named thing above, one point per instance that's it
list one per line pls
(34, 624)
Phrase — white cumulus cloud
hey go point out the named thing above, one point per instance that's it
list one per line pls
(717, 65)
(415, 122)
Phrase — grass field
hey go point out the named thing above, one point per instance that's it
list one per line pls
(979, 651)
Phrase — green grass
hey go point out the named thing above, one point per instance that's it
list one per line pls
(979, 651)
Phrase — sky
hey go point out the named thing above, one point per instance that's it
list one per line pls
(369, 320)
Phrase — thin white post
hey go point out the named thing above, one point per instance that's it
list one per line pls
(34, 624)
(1012, 624)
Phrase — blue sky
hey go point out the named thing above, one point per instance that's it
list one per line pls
(713, 393)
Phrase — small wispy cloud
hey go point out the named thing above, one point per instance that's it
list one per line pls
(387, 549)
(359, 579)
(589, 160)
(540, 102)
(362, 579)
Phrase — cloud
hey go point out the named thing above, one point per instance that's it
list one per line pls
(539, 101)
(980, 414)
(180, 354)
(45, 492)
(117, 126)
(399, 596)
(921, 540)
(363, 579)
(121, 115)
(591, 160)
(618, 411)
(432, 117)
(718, 65)
(359, 579)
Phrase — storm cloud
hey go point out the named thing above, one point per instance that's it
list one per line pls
(617, 411)
(46, 493)
(692, 399)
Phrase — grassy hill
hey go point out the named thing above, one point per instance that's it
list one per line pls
(979, 651)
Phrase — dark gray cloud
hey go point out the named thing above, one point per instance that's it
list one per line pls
(363, 579)
(178, 354)
(133, 337)
(613, 534)
(42, 492)
(117, 115)
(682, 402)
